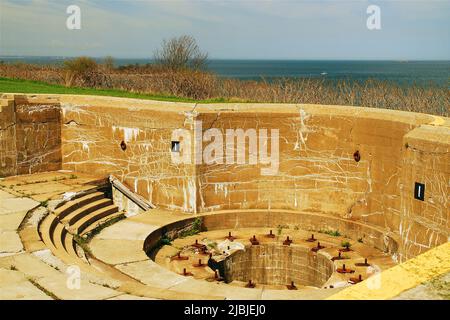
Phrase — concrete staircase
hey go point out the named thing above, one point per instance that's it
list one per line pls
(78, 217)
(74, 218)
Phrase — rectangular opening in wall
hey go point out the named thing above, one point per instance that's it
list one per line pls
(419, 191)
(175, 146)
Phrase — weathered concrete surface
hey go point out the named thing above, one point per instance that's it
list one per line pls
(93, 143)
(10, 243)
(15, 286)
(14, 205)
(130, 297)
(5, 195)
(272, 265)
(129, 259)
(12, 212)
(435, 289)
(21, 194)
(54, 281)
(396, 280)
(30, 137)
(318, 176)
(45, 267)
(152, 274)
(128, 230)
(39, 275)
(426, 159)
(11, 221)
(116, 251)
(47, 185)
(317, 172)
(86, 291)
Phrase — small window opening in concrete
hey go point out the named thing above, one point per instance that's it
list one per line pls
(419, 191)
(123, 145)
(175, 146)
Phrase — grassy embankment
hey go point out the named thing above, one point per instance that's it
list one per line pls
(8, 85)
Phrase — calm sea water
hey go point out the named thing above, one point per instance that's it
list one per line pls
(403, 72)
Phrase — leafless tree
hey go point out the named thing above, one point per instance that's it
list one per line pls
(181, 53)
(108, 63)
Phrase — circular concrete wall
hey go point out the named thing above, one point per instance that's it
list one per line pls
(231, 219)
(275, 264)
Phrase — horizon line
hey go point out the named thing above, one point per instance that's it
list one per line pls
(234, 59)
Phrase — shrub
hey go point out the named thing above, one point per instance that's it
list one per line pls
(190, 84)
(334, 233)
(84, 71)
(194, 229)
(197, 84)
(165, 240)
(346, 244)
(108, 63)
(181, 53)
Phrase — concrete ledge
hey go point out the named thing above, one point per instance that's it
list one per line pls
(400, 278)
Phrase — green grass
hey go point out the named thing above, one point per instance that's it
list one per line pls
(48, 293)
(44, 203)
(91, 234)
(334, 233)
(8, 85)
(346, 244)
(194, 229)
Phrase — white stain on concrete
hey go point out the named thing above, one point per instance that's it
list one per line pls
(129, 134)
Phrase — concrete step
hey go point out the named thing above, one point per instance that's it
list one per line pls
(65, 250)
(75, 204)
(99, 222)
(44, 230)
(51, 232)
(59, 234)
(79, 213)
(53, 223)
(69, 244)
(92, 217)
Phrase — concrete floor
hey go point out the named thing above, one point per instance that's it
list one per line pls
(29, 270)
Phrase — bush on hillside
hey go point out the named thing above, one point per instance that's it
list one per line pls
(84, 72)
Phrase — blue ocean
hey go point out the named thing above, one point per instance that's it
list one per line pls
(422, 73)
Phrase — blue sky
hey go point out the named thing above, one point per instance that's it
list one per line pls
(275, 29)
